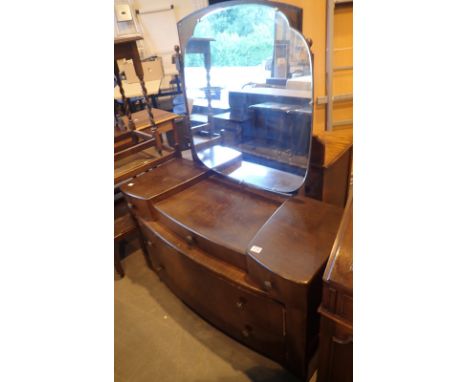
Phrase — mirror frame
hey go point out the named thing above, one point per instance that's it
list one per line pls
(294, 15)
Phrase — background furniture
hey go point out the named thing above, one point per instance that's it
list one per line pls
(333, 69)
(330, 166)
(336, 309)
(137, 151)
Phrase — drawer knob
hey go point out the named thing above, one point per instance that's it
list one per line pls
(190, 240)
(159, 268)
(130, 206)
(240, 303)
(149, 243)
(247, 331)
(343, 341)
(267, 285)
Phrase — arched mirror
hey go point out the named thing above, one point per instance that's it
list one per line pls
(249, 88)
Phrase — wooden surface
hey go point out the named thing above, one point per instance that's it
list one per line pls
(336, 330)
(339, 271)
(336, 143)
(303, 227)
(265, 177)
(137, 163)
(220, 213)
(330, 167)
(141, 119)
(166, 177)
(200, 227)
(127, 39)
(126, 47)
(258, 320)
(134, 89)
(292, 93)
(124, 227)
(140, 148)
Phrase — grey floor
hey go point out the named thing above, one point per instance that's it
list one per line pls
(159, 339)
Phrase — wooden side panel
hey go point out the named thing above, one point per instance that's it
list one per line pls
(336, 353)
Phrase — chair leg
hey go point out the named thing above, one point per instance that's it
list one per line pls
(118, 258)
(143, 248)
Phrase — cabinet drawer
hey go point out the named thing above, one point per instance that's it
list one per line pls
(253, 319)
(138, 207)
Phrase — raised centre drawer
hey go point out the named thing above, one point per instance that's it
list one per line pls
(255, 320)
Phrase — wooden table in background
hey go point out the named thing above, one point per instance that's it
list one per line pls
(143, 160)
(134, 89)
(126, 47)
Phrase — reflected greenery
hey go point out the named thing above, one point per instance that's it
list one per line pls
(244, 36)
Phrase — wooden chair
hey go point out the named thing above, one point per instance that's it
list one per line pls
(124, 228)
(139, 146)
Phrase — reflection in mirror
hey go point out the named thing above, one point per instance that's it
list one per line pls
(248, 79)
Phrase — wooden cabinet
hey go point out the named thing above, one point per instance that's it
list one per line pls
(242, 311)
(231, 232)
(336, 327)
(330, 166)
(249, 261)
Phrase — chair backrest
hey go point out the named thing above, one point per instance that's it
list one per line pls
(152, 70)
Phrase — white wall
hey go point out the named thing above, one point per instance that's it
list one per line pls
(160, 29)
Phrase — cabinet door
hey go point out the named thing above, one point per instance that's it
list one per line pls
(336, 352)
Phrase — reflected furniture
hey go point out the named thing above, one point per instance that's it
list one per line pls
(133, 90)
(142, 148)
(336, 309)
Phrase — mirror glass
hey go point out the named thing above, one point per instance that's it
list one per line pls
(248, 81)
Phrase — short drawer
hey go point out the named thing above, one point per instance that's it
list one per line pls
(139, 207)
(253, 319)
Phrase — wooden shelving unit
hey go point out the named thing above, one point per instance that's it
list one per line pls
(330, 99)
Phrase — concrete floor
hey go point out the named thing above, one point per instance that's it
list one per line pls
(159, 339)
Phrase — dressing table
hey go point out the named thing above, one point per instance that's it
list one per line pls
(230, 232)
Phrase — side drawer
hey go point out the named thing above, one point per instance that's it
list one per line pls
(255, 320)
(138, 207)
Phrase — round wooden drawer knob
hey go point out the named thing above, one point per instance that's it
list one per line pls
(190, 240)
(247, 331)
(159, 268)
(268, 285)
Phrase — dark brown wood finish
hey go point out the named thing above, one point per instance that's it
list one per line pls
(336, 327)
(126, 48)
(287, 258)
(125, 228)
(136, 151)
(330, 166)
(249, 261)
(200, 228)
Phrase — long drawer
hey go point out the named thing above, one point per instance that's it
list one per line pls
(255, 320)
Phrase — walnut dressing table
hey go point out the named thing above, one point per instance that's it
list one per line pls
(229, 232)
(249, 261)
